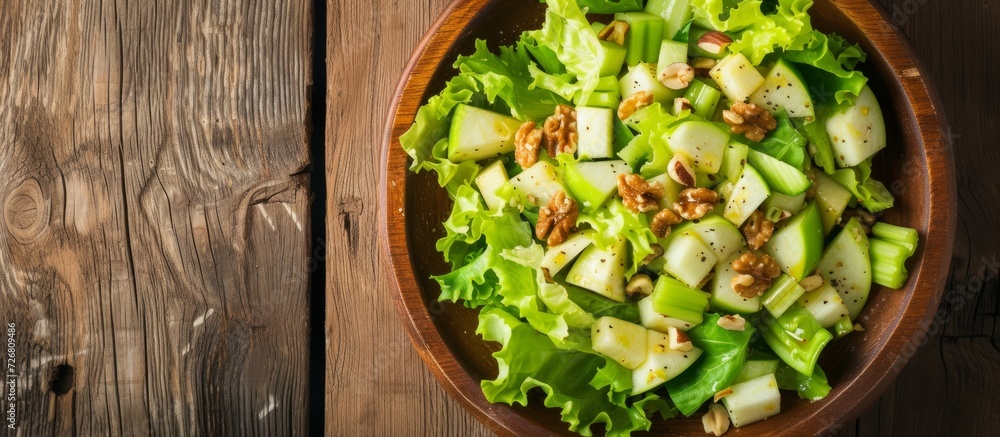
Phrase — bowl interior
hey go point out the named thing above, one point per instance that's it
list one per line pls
(859, 366)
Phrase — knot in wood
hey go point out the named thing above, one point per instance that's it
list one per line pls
(25, 212)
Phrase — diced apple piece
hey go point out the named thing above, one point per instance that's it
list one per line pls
(662, 363)
(750, 191)
(703, 142)
(832, 199)
(592, 183)
(654, 320)
(479, 134)
(753, 400)
(846, 266)
(489, 180)
(857, 132)
(671, 190)
(716, 232)
(642, 77)
(784, 89)
(619, 340)
(538, 183)
(558, 257)
(726, 300)
(825, 305)
(602, 271)
(688, 259)
(798, 246)
(737, 77)
(593, 127)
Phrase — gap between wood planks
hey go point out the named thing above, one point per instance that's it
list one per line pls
(316, 124)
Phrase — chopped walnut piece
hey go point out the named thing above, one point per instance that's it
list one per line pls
(678, 340)
(750, 120)
(694, 203)
(557, 220)
(810, 283)
(527, 144)
(639, 195)
(633, 102)
(614, 32)
(640, 284)
(716, 420)
(662, 222)
(657, 252)
(754, 274)
(560, 131)
(757, 230)
(733, 322)
(722, 393)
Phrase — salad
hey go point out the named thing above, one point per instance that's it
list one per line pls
(661, 208)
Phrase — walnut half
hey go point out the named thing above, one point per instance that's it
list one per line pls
(750, 120)
(560, 131)
(639, 195)
(757, 230)
(754, 274)
(527, 144)
(694, 203)
(662, 222)
(557, 220)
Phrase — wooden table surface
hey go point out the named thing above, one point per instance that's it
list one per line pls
(187, 249)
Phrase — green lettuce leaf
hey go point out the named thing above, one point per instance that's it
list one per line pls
(554, 296)
(784, 143)
(827, 64)
(528, 360)
(724, 354)
(507, 76)
(569, 35)
(615, 221)
(872, 194)
(758, 29)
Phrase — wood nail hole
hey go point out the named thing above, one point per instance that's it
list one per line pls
(62, 379)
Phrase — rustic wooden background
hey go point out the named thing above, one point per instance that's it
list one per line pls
(152, 159)
(377, 384)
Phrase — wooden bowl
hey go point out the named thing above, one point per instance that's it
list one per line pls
(917, 166)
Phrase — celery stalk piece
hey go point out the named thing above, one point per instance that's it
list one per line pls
(704, 99)
(796, 337)
(783, 293)
(675, 13)
(888, 262)
(645, 32)
(675, 300)
(903, 236)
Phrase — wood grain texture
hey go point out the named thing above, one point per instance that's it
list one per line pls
(155, 218)
(935, 29)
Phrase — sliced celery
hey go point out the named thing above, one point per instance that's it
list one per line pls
(674, 299)
(645, 32)
(796, 337)
(675, 14)
(780, 176)
(888, 262)
(903, 236)
(703, 98)
(843, 327)
(783, 293)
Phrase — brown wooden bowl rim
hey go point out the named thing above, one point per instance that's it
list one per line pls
(909, 328)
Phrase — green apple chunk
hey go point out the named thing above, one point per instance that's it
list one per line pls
(619, 340)
(671, 52)
(592, 183)
(671, 190)
(858, 131)
(538, 183)
(479, 134)
(716, 232)
(726, 300)
(703, 142)
(558, 257)
(798, 246)
(825, 304)
(755, 367)
(594, 127)
(846, 266)
(662, 363)
(753, 400)
(750, 191)
(784, 202)
(832, 199)
(656, 321)
(785, 89)
(489, 180)
(602, 270)
(687, 258)
(737, 77)
(734, 161)
(642, 77)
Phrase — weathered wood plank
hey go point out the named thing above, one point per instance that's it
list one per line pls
(155, 225)
(375, 383)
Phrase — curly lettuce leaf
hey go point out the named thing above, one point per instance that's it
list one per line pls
(507, 76)
(569, 35)
(724, 354)
(617, 221)
(758, 28)
(784, 143)
(872, 194)
(555, 297)
(528, 360)
(827, 64)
